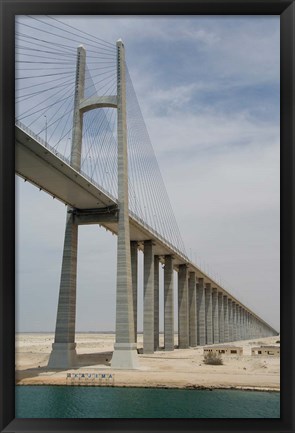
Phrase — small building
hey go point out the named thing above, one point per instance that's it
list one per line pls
(223, 350)
(266, 351)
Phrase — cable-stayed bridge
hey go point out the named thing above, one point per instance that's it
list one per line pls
(81, 136)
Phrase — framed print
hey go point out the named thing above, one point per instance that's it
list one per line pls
(119, 121)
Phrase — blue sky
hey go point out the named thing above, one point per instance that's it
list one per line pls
(208, 88)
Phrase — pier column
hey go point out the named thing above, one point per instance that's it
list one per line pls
(242, 324)
(134, 271)
(238, 322)
(192, 310)
(221, 317)
(168, 304)
(230, 321)
(215, 316)
(208, 313)
(125, 348)
(234, 320)
(148, 298)
(226, 327)
(63, 354)
(156, 304)
(249, 327)
(201, 324)
(183, 311)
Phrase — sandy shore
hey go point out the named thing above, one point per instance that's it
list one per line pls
(182, 368)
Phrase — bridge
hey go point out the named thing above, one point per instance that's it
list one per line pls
(95, 156)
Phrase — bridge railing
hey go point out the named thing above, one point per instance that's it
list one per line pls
(133, 215)
(43, 142)
(61, 156)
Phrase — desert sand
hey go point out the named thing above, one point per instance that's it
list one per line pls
(181, 368)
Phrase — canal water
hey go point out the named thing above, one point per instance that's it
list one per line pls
(112, 402)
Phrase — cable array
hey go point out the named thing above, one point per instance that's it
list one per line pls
(46, 56)
(46, 53)
(148, 196)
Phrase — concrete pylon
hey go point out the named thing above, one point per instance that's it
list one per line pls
(125, 348)
(221, 317)
(63, 354)
(168, 304)
(201, 324)
(226, 325)
(134, 273)
(238, 322)
(234, 320)
(148, 298)
(192, 309)
(156, 304)
(208, 313)
(230, 320)
(183, 312)
(215, 316)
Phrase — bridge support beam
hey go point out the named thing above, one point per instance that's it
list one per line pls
(63, 354)
(208, 313)
(201, 324)
(192, 310)
(230, 321)
(238, 322)
(215, 316)
(168, 304)
(134, 271)
(148, 298)
(183, 312)
(156, 304)
(234, 320)
(221, 317)
(125, 348)
(226, 325)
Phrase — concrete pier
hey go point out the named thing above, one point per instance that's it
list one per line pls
(192, 309)
(168, 304)
(238, 322)
(226, 324)
(201, 323)
(63, 354)
(234, 320)
(156, 304)
(148, 298)
(221, 317)
(134, 274)
(215, 316)
(208, 313)
(230, 320)
(183, 311)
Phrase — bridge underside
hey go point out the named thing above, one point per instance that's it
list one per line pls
(48, 171)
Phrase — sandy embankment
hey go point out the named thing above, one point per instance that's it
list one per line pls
(182, 368)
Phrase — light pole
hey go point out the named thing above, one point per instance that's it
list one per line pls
(45, 128)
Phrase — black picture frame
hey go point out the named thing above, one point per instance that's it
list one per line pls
(10, 8)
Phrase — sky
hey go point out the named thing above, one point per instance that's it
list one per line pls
(208, 88)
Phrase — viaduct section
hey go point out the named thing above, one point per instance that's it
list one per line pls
(207, 314)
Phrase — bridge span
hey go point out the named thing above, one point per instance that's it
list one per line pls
(207, 313)
(50, 171)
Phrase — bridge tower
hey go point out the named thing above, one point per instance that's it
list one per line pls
(63, 354)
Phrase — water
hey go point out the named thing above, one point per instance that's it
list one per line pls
(112, 402)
